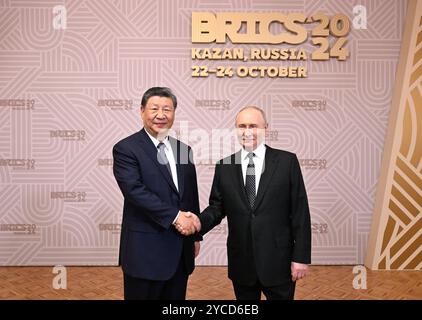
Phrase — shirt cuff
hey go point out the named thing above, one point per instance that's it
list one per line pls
(175, 219)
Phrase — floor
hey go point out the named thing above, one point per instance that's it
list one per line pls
(207, 283)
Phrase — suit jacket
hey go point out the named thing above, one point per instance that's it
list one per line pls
(150, 246)
(262, 241)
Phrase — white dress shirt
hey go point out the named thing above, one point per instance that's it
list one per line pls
(258, 160)
(170, 156)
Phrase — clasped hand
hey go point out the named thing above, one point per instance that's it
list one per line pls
(187, 223)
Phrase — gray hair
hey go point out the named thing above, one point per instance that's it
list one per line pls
(255, 108)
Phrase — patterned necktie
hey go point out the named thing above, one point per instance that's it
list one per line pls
(162, 158)
(250, 180)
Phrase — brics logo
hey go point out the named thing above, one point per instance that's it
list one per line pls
(18, 104)
(19, 228)
(208, 27)
(68, 135)
(18, 164)
(246, 27)
(116, 104)
(69, 196)
(114, 228)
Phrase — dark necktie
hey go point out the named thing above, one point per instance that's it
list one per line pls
(250, 180)
(162, 158)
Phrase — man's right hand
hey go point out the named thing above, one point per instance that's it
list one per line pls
(187, 223)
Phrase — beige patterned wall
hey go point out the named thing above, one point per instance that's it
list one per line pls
(396, 236)
(67, 95)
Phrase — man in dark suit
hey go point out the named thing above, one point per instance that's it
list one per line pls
(261, 191)
(157, 177)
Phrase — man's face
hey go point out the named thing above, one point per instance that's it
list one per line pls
(251, 128)
(158, 116)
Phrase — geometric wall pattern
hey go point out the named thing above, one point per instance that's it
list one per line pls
(397, 227)
(68, 94)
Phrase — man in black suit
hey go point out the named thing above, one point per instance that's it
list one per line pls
(157, 177)
(261, 191)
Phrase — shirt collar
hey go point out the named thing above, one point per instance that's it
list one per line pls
(259, 152)
(155, 141)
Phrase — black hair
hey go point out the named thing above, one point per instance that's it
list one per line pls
(159, 92)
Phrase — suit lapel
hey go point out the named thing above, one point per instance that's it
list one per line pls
(238, 178)
(270, 164)
(151, 151)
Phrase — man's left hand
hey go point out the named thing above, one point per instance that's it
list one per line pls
(299, 270)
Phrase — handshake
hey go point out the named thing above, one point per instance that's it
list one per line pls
(187, 223)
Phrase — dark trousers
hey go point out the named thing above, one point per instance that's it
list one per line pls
(143, 289)
(281, 292)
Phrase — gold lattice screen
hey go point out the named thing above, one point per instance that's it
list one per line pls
(396, 236)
